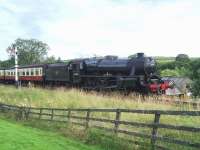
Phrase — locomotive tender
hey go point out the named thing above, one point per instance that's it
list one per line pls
(110, 72)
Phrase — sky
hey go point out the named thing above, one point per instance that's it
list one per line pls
(84, 28)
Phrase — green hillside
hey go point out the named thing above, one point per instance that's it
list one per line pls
(17, 137)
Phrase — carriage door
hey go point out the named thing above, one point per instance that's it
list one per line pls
(76, 73)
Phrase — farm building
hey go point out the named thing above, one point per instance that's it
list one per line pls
(181, 88)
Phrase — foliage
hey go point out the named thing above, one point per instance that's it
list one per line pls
(30, 51)
(7, 63)
(195, 76)
(166, 65)
(169, 72)
(179, 67)
(177, 72)
(183, 66)
(50, 60)
(182, 57)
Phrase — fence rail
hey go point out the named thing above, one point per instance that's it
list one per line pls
(66, 115)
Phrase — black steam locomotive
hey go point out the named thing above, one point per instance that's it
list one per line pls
(110, 72)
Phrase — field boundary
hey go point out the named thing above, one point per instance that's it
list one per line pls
(191, 104)
(66, 115)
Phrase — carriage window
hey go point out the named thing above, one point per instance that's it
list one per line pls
(32, 72)
(20, 72)
(36, 72)
(27, 72)
(23, 72)
(40, 71)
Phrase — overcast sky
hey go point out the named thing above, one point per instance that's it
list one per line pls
(81, 28)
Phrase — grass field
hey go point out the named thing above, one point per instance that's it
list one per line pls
(72, 98)
(17, 137)
(164, 59)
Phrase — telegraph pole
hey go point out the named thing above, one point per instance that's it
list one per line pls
(16, 68)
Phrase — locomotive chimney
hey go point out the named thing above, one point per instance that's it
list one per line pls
(139, 55)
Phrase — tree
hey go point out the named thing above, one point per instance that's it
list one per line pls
(194, 74)
(30, 51)
(179, 67)
(182, 61)
(59, 60)
(182, 57)
(7, 63)
(49, 60)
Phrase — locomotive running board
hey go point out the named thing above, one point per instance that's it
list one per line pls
(101, 88)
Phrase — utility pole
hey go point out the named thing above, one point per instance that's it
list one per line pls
(16, 68)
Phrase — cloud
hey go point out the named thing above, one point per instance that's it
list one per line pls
(83, 28)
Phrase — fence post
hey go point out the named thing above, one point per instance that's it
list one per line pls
(40, 114)
(52, 114)
(87, 119)
(1, 107)
(117, 119)
(69, 115)
(19, 115)
(27, 112)
(195, 105)
(155, 130)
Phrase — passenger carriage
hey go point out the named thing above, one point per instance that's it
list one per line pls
(9, 75)
(31, 73)
(2, 74)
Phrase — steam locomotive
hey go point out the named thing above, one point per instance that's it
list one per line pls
(137, 73)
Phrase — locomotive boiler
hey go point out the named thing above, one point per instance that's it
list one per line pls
(110, 72)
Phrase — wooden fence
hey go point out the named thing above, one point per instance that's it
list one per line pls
(66, 115)
(189, 104)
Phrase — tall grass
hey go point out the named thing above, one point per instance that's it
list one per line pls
(74, 98)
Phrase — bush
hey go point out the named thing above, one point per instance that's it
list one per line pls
(194, 74)
(169, 72)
